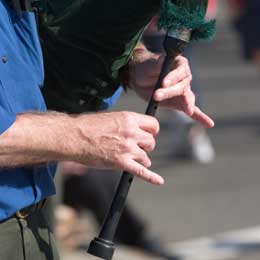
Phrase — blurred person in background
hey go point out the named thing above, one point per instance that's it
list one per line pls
(246, 20)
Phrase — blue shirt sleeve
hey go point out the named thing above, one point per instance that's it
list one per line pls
(111, 101)
(6, 119)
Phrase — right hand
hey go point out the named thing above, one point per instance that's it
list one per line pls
(118, 140)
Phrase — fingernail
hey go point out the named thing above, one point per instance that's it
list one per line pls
(159, 95)
(160, 180)
(212, 123)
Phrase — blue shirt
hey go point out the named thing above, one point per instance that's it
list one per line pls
(21, 75)
(110, 102)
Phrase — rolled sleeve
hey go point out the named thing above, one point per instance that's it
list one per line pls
(6, 119)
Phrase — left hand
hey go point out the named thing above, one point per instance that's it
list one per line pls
(175, 92)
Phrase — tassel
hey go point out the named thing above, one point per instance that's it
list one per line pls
(186, 14)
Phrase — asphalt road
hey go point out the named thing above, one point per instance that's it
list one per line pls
(199, 201)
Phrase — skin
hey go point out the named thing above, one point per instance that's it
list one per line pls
(118, 140)
(175, 92)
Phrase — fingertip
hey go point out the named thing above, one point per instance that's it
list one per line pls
(158, 180)
(147, 175)
(158, 96)
(155, 178)
(161, 182)
(204, 119)
(211, 123)
(208, 122)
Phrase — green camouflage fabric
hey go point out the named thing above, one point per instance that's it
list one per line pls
(85, 45)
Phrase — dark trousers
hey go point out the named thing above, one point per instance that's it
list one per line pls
(27, 239)
(94, 191)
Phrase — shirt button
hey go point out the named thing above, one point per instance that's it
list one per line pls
(4, 59)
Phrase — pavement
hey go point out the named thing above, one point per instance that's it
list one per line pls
(207, 212)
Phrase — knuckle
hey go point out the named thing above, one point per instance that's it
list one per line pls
(190, 93)
(185, 60)
(125, 146)
(120, 161)
(190, 110)
(145, 161)
(183, 57)
(156, 126)
(153, 144)
(129, 132)
(187, 66)
(131, 146)
(188, 73)
(128, 124)
(151, 147)
(186, 84)
(148, 163)
(188, 90)
(127, 116)
(141, 172)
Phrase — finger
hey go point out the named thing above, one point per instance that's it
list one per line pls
(148, 123)
(147, 142)
(201, 117)
(188, 102)
(142, 158)
(173, 91)
(181, 72)
(143, 173)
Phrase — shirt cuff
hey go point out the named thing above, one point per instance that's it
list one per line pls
(6, 120)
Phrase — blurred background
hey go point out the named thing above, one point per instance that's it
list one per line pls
(208, 208)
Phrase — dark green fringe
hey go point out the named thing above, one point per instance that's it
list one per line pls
(189, 14)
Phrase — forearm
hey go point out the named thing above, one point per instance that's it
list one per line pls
(115, 140)
(37, 138)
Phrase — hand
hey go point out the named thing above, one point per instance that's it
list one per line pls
(175, 92)
(118, 140)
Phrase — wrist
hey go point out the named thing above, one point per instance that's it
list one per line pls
(82, 135)
(50, 134)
